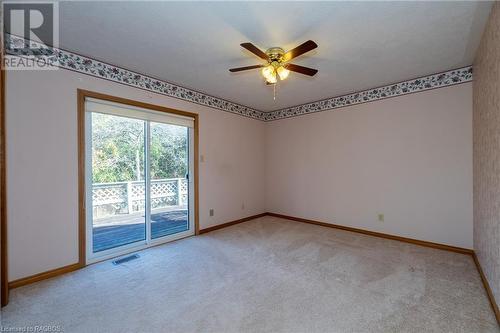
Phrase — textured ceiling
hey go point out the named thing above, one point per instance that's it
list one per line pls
(361, 44)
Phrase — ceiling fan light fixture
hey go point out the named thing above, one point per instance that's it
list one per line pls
(282, 72)
(272, 79)
(277, 65)
(269, 74)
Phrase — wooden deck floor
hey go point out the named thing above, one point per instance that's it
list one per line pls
(162, 224)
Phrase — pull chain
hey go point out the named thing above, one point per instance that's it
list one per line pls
(274, 91)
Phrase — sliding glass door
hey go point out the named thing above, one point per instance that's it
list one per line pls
(118, 182)
(169, 179)
(138, 187)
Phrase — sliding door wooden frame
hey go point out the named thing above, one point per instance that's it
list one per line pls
(82, 94)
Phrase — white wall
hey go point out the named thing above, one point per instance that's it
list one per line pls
(408, 157)
(42, 172)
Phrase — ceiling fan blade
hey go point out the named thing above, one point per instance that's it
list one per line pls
(239, 69)
(301, 49)
(301, 69)
(255, 50)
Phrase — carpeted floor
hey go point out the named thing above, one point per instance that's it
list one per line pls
(266, 275)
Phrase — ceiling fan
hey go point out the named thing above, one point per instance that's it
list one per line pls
(278, 65)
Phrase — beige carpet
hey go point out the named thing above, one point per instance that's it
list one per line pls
(266, 275)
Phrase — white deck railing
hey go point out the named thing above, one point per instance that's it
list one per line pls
(110, 199)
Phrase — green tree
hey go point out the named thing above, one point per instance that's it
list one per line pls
(118, 149)
(169, 151)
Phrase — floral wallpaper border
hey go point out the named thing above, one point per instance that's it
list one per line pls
(438, 80)
(81, 64)
(74, 62)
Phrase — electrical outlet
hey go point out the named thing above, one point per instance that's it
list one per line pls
(381, 217)
(211, 212)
